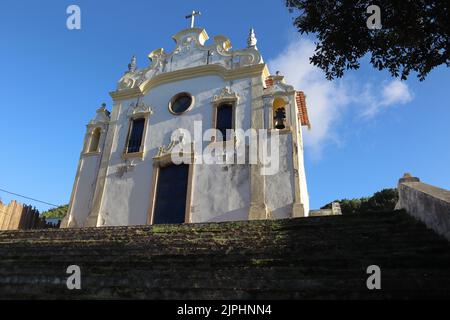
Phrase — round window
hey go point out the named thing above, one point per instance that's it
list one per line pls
(182, 102)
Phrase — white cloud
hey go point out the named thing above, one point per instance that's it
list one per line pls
(393, 93)
(327, 100)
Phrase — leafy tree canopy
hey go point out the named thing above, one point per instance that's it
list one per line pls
(382, 201)
(414, 34)
(59, 212)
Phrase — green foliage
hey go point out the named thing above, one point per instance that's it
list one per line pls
(384, 200)
(414, 34)
(58, 212)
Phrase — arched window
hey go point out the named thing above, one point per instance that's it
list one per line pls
(224, 119)
(279, 113)
(95, 140)
(136, 135)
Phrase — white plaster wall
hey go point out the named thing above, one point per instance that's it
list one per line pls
(280, 188)
(85, 187)
(304, 195)
(222, 193)
(85, 182)
(126, 199)
(292, 120)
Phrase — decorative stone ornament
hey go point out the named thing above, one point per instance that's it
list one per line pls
(132, 65)
(225, 95)
(251, 40)
(190, 52)
(164, 151)
(139, 109)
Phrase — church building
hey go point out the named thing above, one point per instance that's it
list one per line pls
(127, 175)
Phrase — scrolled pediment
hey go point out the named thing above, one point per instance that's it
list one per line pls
(139, 109)
(164, 151)
(225, 95)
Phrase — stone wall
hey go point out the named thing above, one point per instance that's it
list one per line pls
(427, 203)
(334, 211)
(16, 216)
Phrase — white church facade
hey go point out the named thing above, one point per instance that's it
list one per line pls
(127, 175)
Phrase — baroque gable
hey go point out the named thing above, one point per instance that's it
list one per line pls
(191, 51)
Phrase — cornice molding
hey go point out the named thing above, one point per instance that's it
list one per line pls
(183, 74)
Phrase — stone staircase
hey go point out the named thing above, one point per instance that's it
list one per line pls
(305, 258)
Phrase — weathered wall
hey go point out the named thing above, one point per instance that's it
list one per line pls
(334, 211)
(85, 185)
(216, 201)
(280, 187)
(128, 194)
(427, 203)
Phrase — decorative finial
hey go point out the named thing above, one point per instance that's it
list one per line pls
(102, 108)
(251, 40)
(132, 64)
(192, 17)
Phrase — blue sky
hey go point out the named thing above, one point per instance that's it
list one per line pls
(367, 129)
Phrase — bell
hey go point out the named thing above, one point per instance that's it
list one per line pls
(280, 118)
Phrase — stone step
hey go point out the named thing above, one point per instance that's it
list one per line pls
(319, 257)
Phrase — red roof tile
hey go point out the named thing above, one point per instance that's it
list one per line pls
(269, 82)
(301, 104)
(302, 109)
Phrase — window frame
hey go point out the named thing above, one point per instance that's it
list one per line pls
(132, 132)
(88, 141)
(226, 96)
(233, 124)
(177, 96)
(140, 153)
(287, 109)
(91, 139)
(164, 160)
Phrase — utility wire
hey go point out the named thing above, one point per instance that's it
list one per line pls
(22, 196)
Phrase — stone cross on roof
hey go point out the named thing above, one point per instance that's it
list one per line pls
(192, 17)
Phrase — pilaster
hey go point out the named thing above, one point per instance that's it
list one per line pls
(258, 209)
(92, 219)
